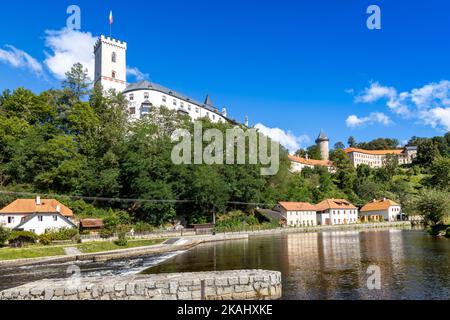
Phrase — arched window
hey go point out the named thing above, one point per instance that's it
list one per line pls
(113, 75)
(114, 57)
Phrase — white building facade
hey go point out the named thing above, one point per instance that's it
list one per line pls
(336, 212)
(381, 210)
(298, 214)
(36, 216)
(377, 158)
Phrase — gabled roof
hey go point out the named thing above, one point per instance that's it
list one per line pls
(334, 204)
(297, 206)
(311, 162)
(91, 223)
(379, 205)
(375, 152)
(29, 206)
(30, 217)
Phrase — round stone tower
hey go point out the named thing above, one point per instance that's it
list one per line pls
(324, 145)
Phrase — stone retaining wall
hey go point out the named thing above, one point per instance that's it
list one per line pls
(227, 285)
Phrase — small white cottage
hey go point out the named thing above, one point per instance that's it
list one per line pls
(36, 215)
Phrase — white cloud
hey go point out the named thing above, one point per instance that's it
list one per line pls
(137, 74)
(354, 121)
(67, 48)
(20, 59)
(377, 92)
(285, 138)
(429, 104)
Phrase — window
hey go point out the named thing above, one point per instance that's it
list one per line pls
(133, 110)
(182, 105)
(55, 218)
(114, 57)
(131, 97)
(197, 110)
(214, 117)
(113, 75)
(40, 218)
(189, 107)
(146, 95)
(174, 102)
(10, 220)
(164, 99)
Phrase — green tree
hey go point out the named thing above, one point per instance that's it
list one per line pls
(440, 173)
(4, 235)
(352, 142)
(433, 205)
(427, 152)
(339, 145)
(77, 80)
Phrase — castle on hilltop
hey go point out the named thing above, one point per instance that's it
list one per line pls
(357, 157)
(111, 73)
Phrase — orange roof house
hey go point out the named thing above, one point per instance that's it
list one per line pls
(375, 152)
(297, 206)
(379, 205)
(33, 206)
(334, 204)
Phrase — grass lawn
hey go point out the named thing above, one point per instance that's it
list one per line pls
(50, 251)
(93, 247)
(31, 252)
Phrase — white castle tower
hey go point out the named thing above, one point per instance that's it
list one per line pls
(324, 145)
(111, 64)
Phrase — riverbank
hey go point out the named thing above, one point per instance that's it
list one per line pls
(171, 245)
(185, 243)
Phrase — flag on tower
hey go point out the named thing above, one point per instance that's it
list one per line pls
(111, 20)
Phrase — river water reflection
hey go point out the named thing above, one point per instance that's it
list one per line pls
(333, 265)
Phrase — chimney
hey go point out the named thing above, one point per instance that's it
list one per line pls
(307, 156)
(38, 200)
(58, 208)
(246, 121)
(224, 112)
(384, 199)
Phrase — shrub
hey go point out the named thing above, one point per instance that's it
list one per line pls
(19, 238)
(63, 234)
(106, 233)
(123, 240)
(4, 235)
(45, 239)
(143, 227)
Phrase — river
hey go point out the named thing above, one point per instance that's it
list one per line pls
(326, 265)
(334, 265)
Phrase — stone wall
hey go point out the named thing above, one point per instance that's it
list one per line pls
(227, 285)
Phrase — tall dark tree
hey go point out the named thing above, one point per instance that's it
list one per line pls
(77, 80)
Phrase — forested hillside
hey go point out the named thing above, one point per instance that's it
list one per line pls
(76, 142)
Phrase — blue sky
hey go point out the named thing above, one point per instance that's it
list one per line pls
(297, 66)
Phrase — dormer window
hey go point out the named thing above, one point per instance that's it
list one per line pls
(114, 57)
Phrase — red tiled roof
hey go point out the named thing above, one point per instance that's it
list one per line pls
(29, 206)
(380, 205)
(374, 152)
(334, 204)
(91, 223)
(311, 162)
(297, 206)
